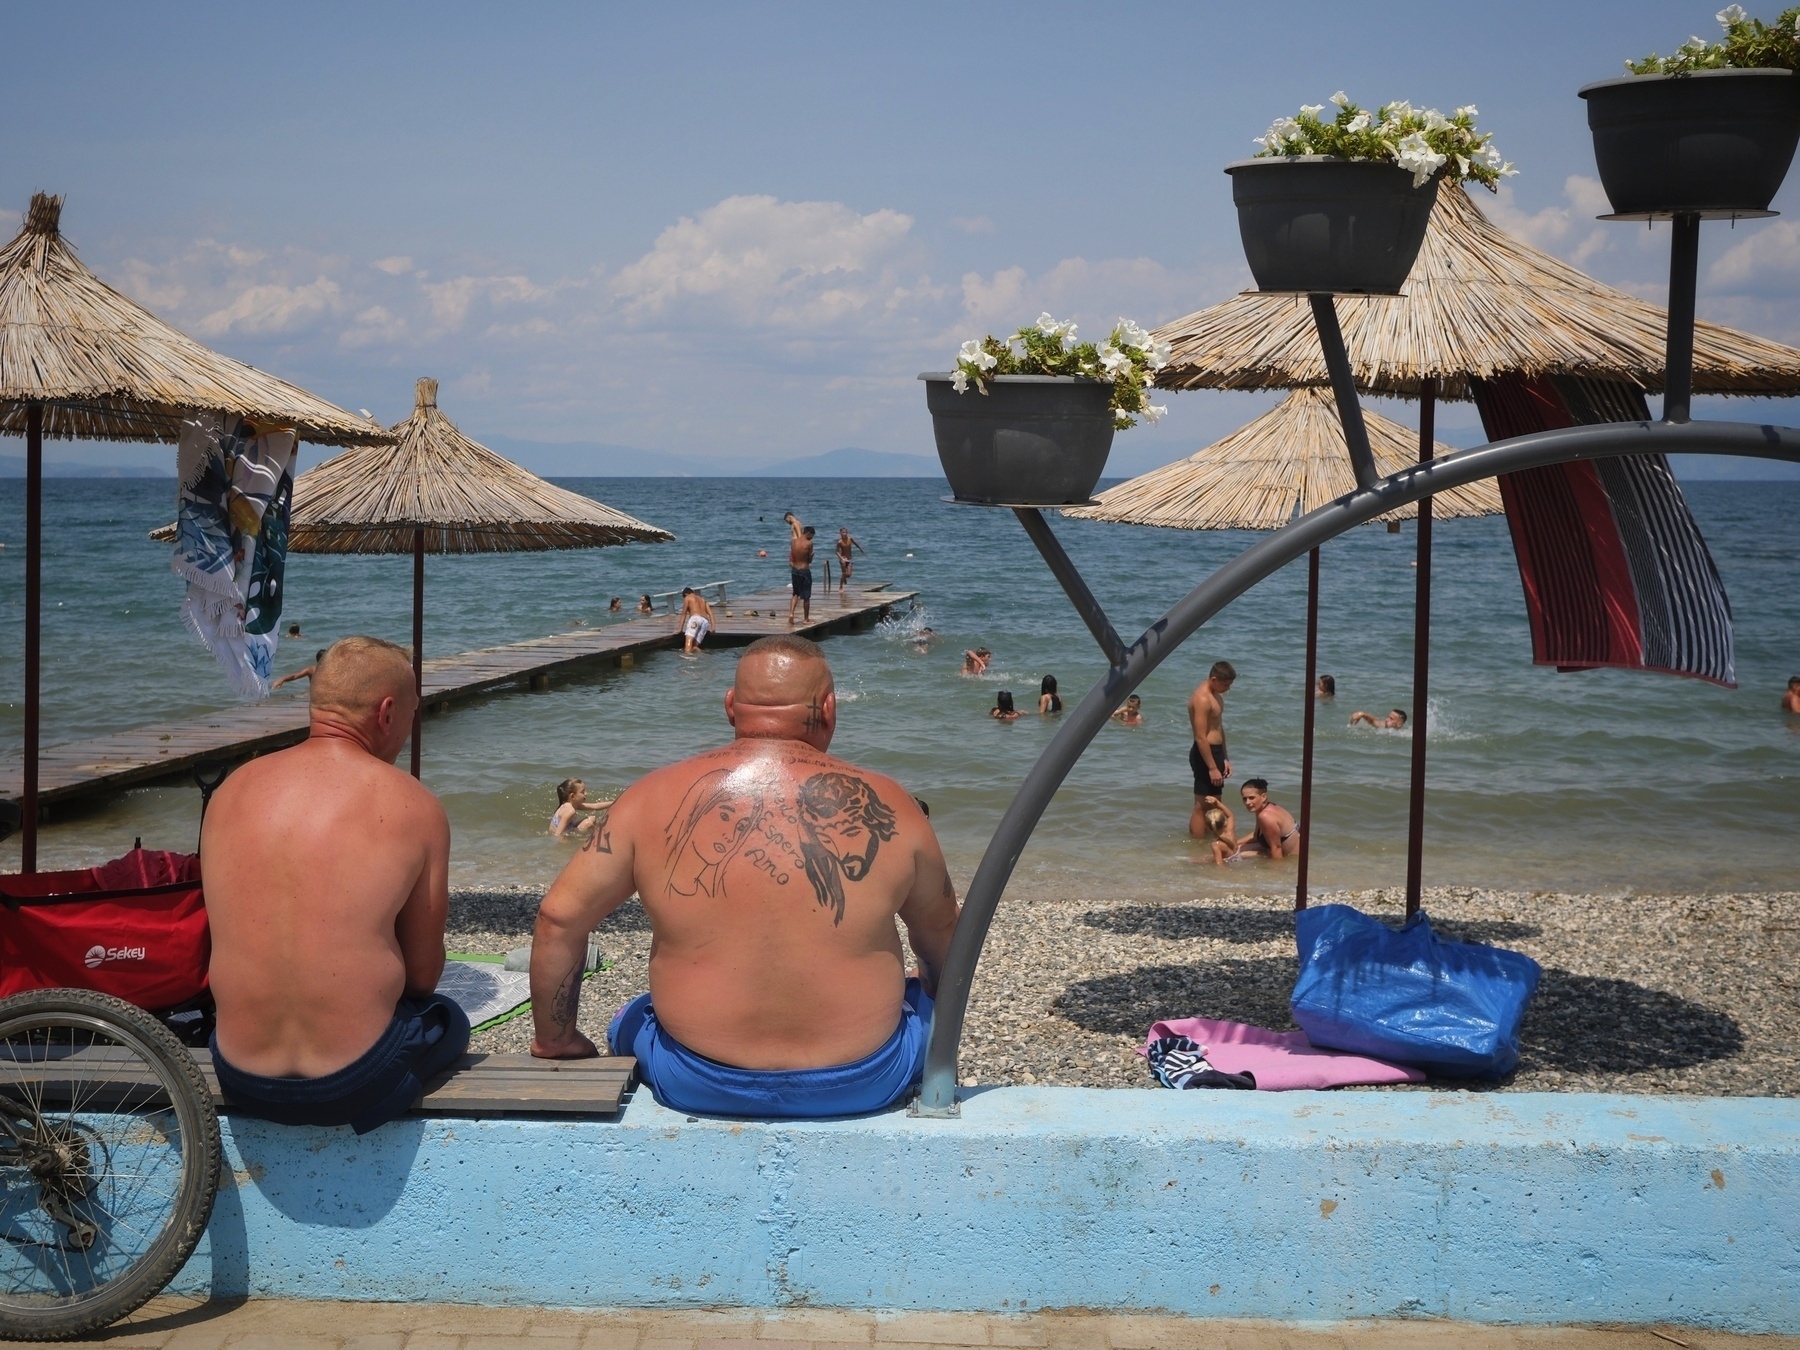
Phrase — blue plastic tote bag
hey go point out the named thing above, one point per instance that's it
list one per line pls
(1453, 1008)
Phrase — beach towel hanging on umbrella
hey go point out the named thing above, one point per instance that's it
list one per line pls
(236, 490)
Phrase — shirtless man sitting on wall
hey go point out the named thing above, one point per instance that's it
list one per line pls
(327, 875)
(772, 874)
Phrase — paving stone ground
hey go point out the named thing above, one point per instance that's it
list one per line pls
(285, 1324)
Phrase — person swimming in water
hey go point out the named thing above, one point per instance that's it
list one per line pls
(571, 801)
(1049, 701)
(1790, 701)
(1003, 710)
(305, 673)
(1394, 721)
(1327, 687)
(1277, 834)
(1131, 712)
(615, 606)
(646, 605)
(976, 662)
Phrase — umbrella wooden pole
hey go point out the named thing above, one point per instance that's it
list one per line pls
(418, 643)
(34, 573)
(1306, 753)
(1415, 824)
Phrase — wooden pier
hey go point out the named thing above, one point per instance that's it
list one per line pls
(122, 759)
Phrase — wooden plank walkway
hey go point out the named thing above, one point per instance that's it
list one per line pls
(122, 759)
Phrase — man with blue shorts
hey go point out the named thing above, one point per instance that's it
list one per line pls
(773, 875)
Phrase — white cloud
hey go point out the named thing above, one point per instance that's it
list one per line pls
(757, 261)
(1096, 294)
(1768, 257)
(375, 326)
(397, 266)
(451, 300)
(1570, 231)
(274, 308)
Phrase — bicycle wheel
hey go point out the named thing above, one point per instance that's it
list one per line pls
(109, 1161)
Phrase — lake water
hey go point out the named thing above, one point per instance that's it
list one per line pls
(1602, 781)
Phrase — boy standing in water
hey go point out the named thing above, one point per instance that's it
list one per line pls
(1208, 757)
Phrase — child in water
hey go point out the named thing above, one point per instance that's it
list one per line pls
(1221, 831)
(1003, 710)
(571, 801)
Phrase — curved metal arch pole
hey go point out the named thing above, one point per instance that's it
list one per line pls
(937, 1095)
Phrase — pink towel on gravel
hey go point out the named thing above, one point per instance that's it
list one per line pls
(1280, 1060)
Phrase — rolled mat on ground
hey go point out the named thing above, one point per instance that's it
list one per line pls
(1278, 1061)
(1452, 1008)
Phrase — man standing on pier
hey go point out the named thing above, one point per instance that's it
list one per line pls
(846, 544)
(1208, 758)
(696, 619)
(800, 556)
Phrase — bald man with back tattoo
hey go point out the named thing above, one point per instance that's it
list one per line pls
(773, 876)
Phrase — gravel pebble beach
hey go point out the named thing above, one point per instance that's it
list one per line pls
(1693, 994)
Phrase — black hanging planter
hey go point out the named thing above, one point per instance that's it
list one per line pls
(1711, 143)
(1318, 223)
(1031, 440)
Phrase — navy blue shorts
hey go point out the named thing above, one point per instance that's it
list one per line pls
(684, 1081)
(426, 1037)
(802, 582)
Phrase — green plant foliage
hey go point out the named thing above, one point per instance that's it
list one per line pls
(1748, 44)
(1128, 359)
(1422, 140)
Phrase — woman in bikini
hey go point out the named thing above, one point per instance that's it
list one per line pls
(1277, 834)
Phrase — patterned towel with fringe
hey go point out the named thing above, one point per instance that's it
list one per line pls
(237, 486)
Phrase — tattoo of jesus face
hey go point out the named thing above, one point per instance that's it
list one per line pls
(709, 829)
(842, 826)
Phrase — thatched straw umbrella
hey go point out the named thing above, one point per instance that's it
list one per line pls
(1478, 304)
(1288, 462)
(79, 360)
(436, 491)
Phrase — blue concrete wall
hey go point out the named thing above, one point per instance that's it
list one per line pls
(1487, 1207)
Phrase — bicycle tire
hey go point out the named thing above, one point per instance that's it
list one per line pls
(107, 1036)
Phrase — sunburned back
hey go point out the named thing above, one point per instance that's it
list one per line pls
(309, 856)
(773, 873)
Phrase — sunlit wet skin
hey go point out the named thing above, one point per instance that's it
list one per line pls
(772, 873)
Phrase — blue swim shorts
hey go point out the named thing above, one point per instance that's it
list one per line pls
(684, 1081)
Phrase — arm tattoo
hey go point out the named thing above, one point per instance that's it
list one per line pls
(565, 1003)
(599, 838)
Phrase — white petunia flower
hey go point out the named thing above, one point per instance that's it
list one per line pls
(1341, 99)
(1131, 335)
(1488, 157)
(1415, 153)
(1468, 110)
(1154, 412)
(1048, 326)
(1361, 122)
(1113, 361)
(1729, 15)
(959, 381)
(1434, 120)
(1311, 109)
(1158, 353)
(1462, 167)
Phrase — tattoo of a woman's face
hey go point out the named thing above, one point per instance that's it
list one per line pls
(830, 829)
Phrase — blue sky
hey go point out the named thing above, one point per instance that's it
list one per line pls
(737, 232)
